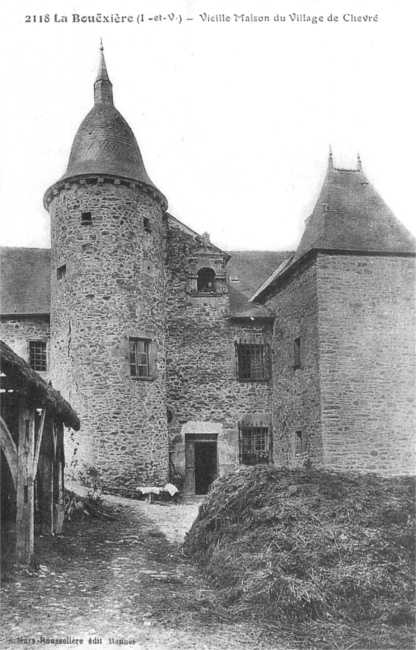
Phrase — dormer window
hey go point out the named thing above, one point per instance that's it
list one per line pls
(206, 280)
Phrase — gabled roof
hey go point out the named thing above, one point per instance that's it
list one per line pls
(25, 281)
(349, 216)
(26, 381)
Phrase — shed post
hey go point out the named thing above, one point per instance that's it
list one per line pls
(58, 478)
(25, 483)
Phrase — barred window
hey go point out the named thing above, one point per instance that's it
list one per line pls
(255, 445)
(37, 356)
(253, 361)
(139, 358)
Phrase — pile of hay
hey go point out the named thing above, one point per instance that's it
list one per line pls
(310, 544)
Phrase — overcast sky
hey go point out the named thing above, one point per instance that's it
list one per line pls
(233, 119)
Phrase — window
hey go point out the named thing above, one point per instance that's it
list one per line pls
(300, 442)
(146, 225)
(37, 356)
(139, 358)
(206, 280)
(297, 353)
(253, 361)
(86, 219)
(61, 272)
(255, 445)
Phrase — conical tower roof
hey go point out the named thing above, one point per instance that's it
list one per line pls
(104, 143)
(350, 215)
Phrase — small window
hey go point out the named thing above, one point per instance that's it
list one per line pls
(206, 280)
(297, 353)
(86, 219)
(146, 225)
(139, 358)
(169, 415)
(300, 442)
(37, 356)
(253, 361)
(61, 272)
(255, 445)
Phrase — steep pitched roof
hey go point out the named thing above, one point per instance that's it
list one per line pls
(246, 270)
(349, 215)
(25, 281)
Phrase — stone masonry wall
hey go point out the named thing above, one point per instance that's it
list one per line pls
(203, 391)
(113, 289)
(367, 362)
(17, 331)
(296, 392)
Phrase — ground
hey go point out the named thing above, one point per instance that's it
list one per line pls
(106, 582)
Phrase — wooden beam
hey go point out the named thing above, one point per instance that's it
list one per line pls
(45, 482)
(38, 441)
(9, 449)
(58, 478)
(24, 484)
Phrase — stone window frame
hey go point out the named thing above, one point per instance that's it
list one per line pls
(255, 440)
(32, 355)
(150, 353)
(247, 352)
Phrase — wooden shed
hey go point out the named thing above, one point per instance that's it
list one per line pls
(33, 416)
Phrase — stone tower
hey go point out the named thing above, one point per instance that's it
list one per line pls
(107, 303)
(343, 342)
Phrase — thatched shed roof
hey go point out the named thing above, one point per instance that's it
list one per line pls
(27, 382)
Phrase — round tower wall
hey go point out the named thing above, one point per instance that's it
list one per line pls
(107, 311)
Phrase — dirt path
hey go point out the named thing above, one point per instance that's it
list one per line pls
(117, 583)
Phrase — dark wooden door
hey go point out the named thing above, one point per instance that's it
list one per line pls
(205, 466)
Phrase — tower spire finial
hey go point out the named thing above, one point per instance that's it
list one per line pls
(359, 163)
(330, 159)
(103, 88)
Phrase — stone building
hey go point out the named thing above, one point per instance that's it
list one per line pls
(173, 357)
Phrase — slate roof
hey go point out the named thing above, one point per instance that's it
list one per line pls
(104, 143)
(246, 271)
(25, 277)
(349, 215)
